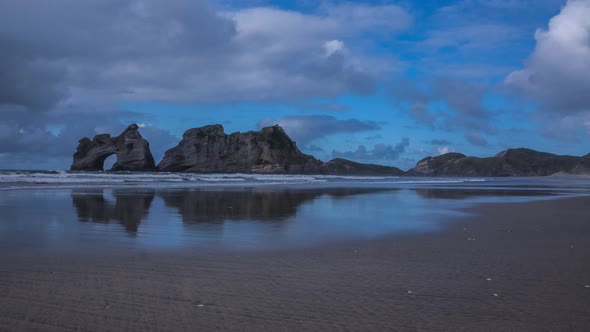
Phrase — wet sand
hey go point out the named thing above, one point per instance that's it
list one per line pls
(515, 266)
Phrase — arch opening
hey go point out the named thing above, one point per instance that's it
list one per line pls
(109, 162)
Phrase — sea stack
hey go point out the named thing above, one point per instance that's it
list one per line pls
(133, 152)
(208, 149)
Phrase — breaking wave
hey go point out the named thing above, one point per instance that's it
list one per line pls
(26, 179)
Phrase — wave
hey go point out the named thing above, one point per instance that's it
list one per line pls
(25, 179)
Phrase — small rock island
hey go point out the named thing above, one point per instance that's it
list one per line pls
(132, 150)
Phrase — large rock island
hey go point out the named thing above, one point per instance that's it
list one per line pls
(209, 150)
(511, 162)
(133, 152)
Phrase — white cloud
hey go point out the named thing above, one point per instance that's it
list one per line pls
(333, 46)
(556, 74)
(443, 149)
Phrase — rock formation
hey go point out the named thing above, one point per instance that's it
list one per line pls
(341, 166)
(512, 162)
(270, 151)
(209, 150)
(133, 152)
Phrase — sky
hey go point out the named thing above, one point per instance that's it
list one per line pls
(375, 81)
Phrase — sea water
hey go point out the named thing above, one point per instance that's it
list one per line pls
(44, 211)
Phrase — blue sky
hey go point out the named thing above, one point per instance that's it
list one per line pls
(386, 82)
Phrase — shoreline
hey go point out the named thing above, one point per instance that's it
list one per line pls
(535, 255)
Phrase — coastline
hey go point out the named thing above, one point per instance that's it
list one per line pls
(534, 254)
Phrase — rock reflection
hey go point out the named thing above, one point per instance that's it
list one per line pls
(450, 193)
(197, 206)
(129, 209)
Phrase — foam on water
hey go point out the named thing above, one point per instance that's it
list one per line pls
(28, 179)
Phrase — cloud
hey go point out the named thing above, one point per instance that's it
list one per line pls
(439, 142)
(476, 139)
(571, 128)
(382, 19)
(306, 128)
(333, 46)
(556, 72)
(443, 149)
(324, 106)
(314, 148)
(379, 152)
(185, 51)
(471, 36)
(63, 63)
(374, 137)
(463, 96)
(49, 139)
(421, 112)
(464, 100)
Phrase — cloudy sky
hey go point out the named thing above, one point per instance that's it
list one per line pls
(386, 82)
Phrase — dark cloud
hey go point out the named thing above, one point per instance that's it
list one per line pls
(464, 100)
(308, 128)
(464, 97)
(379, 152)
(53, 49)
(28, 138)
(30, 84)
(439, 142)
(62, 58)
(182, 51)
(476, 139)
(410, 90)
(421, 112)
(313, 148)
(374, 137)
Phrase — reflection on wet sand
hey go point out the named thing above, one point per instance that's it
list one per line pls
(130, 207)
(196, 206)
(461, 193)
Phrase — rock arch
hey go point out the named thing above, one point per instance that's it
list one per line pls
(132, 151)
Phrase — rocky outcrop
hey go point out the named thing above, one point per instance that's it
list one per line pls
(512, 162)
(341, 166)
(270, 151)
(209, 150)
(133, 152)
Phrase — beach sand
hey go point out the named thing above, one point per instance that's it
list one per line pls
(510, 266)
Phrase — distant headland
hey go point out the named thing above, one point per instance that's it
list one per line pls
(209, 149)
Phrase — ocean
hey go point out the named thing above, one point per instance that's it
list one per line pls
(49, 211)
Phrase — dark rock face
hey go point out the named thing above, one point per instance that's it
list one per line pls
(341, 166)
(512, 162)
(133, 152)
(209, 150)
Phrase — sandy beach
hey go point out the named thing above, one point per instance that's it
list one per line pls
(506, 267)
